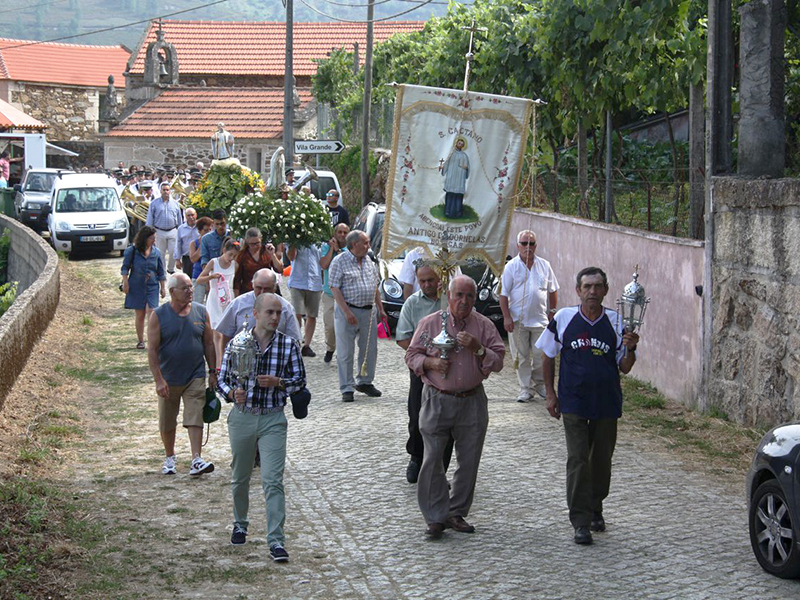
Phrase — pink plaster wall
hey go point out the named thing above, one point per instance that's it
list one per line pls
(669, 269)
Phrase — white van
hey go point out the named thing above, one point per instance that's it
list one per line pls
(326, 181)
(85, 212)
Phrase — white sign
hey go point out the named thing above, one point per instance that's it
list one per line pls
(456, 160)
(318, 146)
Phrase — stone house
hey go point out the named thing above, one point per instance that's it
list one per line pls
(186, 76)
(176, 126)
(62, 85)
(248, 54)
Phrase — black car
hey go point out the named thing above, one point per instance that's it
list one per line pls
(773, 495)
(370, 220)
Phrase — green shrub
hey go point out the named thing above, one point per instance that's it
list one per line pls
(8, 293)
(5, 244)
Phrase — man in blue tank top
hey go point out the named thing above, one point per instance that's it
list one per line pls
(592, 343)
(179, 338)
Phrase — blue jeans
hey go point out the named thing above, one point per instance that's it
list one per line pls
(245, 430)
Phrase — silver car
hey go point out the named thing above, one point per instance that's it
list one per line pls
(33, 193)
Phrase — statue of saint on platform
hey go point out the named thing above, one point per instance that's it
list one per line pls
(221, 143)
(277, 165)
(111, 104)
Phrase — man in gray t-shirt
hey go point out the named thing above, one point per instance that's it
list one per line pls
(179, 337)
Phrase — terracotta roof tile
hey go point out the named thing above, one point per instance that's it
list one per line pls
(257, 48)
(69, 64)
(13, 118)
(195, 112)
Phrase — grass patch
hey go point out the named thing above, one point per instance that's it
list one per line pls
(87, 320)
(32, 454)
(716, 442)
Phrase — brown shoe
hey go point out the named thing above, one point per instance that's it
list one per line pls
(434, 530)
(459, 524)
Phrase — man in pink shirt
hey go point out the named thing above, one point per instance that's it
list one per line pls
(453, 403)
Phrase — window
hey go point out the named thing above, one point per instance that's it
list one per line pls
(87, 200)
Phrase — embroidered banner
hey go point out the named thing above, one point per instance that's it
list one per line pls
(456, 162)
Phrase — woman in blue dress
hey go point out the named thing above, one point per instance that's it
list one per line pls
(142, 276)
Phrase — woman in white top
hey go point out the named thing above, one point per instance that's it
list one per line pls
(218, 276)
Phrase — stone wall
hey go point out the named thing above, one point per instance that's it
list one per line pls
(90, 153)
(154, 152)
(71, 113)
(670, 268)
(35, 266)
(754, 375)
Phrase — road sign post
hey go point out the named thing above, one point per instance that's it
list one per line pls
(318, 147)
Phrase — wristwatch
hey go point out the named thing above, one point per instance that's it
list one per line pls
(481, 351)
(281, 384)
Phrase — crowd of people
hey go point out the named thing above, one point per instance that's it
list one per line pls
(223, 286)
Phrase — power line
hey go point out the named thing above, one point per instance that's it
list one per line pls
(77, 35)
(316, 10)
(19, 8)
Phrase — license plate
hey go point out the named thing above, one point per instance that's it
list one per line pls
(93, 238)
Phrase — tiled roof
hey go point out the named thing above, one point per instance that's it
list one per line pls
(257, 48)
(14, 118)
(195, 112)
(69, 64)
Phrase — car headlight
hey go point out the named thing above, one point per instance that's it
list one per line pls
(483, 295)
(62, 226)
(32, 206)
(120, 223)
(392, 288)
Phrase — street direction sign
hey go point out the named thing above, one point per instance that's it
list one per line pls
(318, 146)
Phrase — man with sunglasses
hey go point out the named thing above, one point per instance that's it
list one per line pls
(338, 213)
(528, 299)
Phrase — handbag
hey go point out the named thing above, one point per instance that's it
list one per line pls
(212, 406)
(384, 332)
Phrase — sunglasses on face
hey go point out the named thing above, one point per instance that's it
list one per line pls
(527, 243)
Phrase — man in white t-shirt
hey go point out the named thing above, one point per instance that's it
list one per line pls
(528, 299)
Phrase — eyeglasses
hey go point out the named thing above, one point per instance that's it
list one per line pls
(527, 243)
(330, 195)
(184, 289)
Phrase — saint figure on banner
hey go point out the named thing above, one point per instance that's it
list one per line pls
(455, 171)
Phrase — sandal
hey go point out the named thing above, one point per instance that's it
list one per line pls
(140, 346)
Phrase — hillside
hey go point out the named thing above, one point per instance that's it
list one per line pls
(50, 19)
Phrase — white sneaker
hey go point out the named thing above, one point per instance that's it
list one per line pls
(168, 468)
(542, 391)
(199, 466)
(524, 396)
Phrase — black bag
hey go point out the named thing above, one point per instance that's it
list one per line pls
(300, 401)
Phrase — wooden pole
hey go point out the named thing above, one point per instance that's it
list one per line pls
(367, 106)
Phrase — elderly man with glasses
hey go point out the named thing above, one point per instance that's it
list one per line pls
(528, 299)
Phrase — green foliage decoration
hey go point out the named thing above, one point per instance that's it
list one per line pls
(222, 185)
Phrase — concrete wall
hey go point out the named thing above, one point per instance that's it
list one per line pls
(754, 373)
(35, 266)
(669, 268)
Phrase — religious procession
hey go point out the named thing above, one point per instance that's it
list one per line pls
(227, 316)
(492, 404)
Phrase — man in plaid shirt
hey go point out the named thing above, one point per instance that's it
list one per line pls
(258, 420)
(354, 283)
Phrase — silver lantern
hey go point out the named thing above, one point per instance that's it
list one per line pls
(632, 305)
(242, 360)
(444, 342)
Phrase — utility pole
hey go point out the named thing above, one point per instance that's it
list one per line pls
(367, 106)
(609, 157)
(288, 88)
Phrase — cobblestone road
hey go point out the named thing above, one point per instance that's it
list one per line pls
(355, 531)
